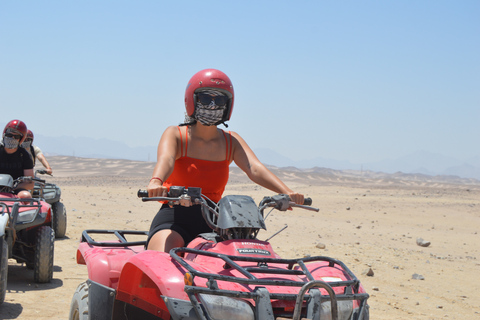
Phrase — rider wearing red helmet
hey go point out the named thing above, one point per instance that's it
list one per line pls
(15, 160)
(203, 83)
(198, 154)
(35, 152)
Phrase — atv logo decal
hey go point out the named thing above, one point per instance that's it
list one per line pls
(254, 251)
(252, 244)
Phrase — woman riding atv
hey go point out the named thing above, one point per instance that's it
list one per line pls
(198, 154)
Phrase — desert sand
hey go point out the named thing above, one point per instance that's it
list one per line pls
(370, 221)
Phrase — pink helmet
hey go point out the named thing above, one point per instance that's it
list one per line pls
(17, 126)
(209, 79)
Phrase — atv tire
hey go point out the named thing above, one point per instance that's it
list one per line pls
(3, 269)
(59, 219)
(79, 304)
(43, 260)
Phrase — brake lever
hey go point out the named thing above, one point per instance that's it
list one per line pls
(293, 204)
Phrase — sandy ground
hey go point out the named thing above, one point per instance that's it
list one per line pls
(367, 220)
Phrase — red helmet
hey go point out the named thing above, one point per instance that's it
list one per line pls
(30, 135)
(209, 79)
(17, 126)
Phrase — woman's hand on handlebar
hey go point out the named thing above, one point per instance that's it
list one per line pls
(156, 189)
(298, 198)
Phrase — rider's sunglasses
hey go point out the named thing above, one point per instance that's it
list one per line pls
(15, 136)
(205, 99)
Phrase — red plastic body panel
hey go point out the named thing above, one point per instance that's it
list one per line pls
(45, 207)
(142, 276)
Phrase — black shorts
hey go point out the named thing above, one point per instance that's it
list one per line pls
(187, 221)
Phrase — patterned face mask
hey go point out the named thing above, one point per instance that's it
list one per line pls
(10, 143)
(211, 114)
(26, 144)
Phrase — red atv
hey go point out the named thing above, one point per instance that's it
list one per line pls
(25, 233)
(226, 274)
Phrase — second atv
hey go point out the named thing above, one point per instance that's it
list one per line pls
(25, 233)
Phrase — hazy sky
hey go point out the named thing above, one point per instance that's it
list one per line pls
(348, 80)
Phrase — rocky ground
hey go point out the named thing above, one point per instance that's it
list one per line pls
(379, 225)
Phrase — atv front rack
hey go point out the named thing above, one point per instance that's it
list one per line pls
(13, 206)
(260, 294)
(119, 234)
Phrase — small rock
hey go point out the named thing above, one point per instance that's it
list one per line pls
(348, 208)
(369, 272)
(417, 276)
(321, 245)
(422, 243)
(375, 289)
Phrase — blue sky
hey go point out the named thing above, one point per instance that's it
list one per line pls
(348, 80)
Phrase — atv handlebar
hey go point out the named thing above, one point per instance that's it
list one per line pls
(42, 172)
(27, 179)
(142, 193)
(179, 195)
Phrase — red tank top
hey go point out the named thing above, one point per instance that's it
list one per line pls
(211, 176)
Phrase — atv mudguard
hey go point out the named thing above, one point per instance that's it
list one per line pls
(140, 277)
(104, 264)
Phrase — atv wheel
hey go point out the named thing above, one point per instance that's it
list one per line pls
(43, 261)
(59, 219)
(79, 305)
(3, 269)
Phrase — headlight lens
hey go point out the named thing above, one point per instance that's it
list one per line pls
(220, 308)
(26, 216)
(49, 194)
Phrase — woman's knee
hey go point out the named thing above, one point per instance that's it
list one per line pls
(165, 240)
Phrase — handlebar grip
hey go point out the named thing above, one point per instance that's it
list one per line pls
(142, 193)
(307, 201)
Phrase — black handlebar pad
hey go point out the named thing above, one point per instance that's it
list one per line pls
(142, 193)
(307, 201)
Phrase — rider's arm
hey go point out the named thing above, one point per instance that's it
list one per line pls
(246, 160)
(27, 185)
(45, 163)
(167, 152)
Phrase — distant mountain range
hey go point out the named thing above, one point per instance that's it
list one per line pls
(418, 162)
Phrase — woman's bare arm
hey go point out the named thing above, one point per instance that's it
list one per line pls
(167, 153)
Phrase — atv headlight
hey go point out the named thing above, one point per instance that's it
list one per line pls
(49, 195)
(27, 216)
(220, 307)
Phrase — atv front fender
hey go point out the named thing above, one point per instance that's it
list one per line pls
(146, 277)
(104, 264)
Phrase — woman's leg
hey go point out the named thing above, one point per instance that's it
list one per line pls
(164, 240)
